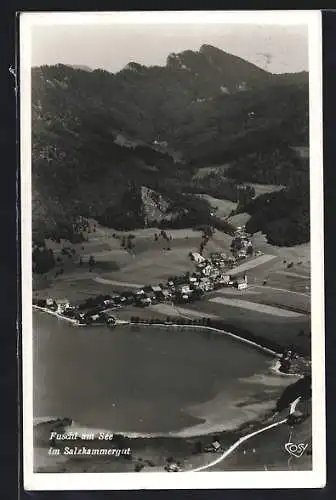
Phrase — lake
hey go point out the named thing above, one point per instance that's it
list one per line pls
(138, 379)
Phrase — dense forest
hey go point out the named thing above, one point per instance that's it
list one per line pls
(271, 165)
(283, 216)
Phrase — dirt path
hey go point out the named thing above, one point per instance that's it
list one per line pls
(105, 281)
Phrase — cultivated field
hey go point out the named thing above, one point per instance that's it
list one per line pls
(255, 306)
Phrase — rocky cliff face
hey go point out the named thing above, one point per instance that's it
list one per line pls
(155, 206)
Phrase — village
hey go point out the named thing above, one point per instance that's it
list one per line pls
(210, 274)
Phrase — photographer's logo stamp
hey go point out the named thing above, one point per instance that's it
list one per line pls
(296, 450)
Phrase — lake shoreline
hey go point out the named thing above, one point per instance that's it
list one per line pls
(164, 324)
(180, 443)
(152, 452)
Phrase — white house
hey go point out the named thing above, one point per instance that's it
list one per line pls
(185, 289)
(241, 283)
(62, 305)
(207, 270)
(241, 254)
(197, 257)
(225, 278)
(94, 317)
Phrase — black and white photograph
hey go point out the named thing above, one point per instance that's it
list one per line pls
(172, 250)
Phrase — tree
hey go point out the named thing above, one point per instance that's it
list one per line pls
(43, 259)
(92, 262)
(207, 232)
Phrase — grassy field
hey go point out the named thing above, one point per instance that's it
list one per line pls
(295, 254)
(264, 188)
(148, 262)
(282, 330)
(151, 263)
(239, 219)
(204, 171)
(223, 207)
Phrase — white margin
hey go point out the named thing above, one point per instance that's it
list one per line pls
(134, 481)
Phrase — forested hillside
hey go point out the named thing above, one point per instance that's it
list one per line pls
(97, 136)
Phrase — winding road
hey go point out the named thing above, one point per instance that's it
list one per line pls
(243, 439)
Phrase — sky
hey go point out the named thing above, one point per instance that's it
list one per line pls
(276, 48)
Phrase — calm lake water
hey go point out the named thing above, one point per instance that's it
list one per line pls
(148, 379)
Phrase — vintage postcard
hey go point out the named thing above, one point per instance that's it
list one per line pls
(172, 250)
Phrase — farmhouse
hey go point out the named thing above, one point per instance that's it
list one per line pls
(62, 305)
(240, 283)
(184, 289)
(197, 257)
(225, 279)
(207, 270)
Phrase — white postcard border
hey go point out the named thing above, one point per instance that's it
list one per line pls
(188, 480)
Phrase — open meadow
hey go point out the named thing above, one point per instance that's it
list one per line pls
(150, 261)
(223, 208)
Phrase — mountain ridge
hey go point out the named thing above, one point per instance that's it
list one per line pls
(205, 49)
